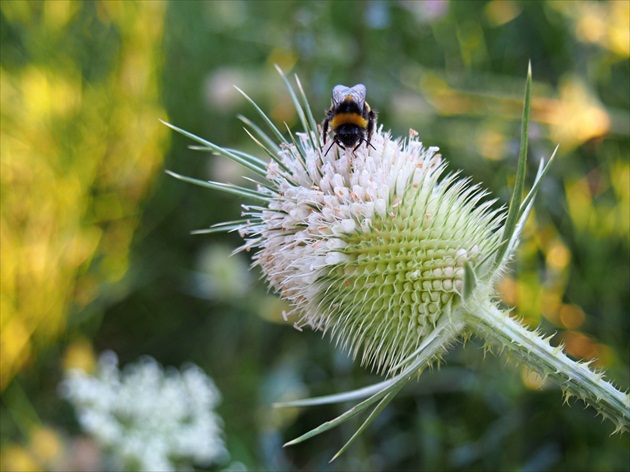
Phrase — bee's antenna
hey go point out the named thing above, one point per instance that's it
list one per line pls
(331, 145)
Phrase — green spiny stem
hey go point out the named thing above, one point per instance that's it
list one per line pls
(535, 352)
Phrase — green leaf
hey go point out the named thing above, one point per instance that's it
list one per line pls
(527, 205)
(246, 160)
(307, 123)
(384, 395)
(225, 227)
(351, 413)
(338, 397)
(382, 404)
(539, 178)
(264, 137)
(307, 107)
(470, 280)
(519, 184)
(264, 116)
(227, 188)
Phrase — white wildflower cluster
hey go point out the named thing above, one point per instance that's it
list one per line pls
(148, 418)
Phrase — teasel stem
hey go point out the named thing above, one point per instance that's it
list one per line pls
(536, 353)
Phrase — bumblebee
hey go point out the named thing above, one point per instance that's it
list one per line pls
(350, 118)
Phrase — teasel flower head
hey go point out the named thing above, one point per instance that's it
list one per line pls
(370, 246)
(388, 253)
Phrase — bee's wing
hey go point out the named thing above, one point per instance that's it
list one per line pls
(339, 93)
(358, 92)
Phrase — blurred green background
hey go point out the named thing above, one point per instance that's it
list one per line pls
(96, 245)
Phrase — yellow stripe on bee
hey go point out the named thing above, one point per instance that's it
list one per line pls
(348, 118)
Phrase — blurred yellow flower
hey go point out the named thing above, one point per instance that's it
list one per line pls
(576, 116)
(80, 355)
(16, 458)
(77, 158)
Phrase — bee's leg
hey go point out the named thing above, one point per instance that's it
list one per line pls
(331, 145)
(367, 142)
(370, 128)
(324, 132)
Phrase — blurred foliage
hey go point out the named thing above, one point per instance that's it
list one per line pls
(81, 144)
(80, 147)
(89, 263)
